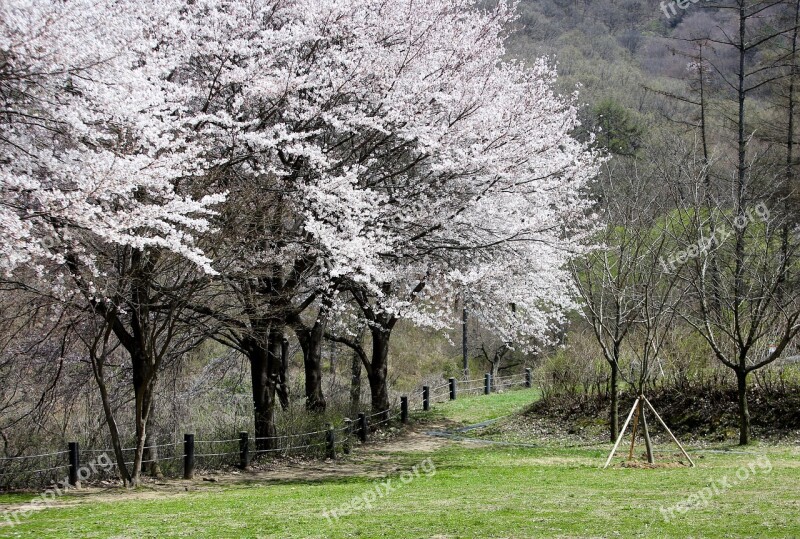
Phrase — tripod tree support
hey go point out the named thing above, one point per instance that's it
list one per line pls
(640, 401)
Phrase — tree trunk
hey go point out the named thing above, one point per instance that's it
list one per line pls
(263, 396)
(150, 460)
(283, 376)
(355, 383)
(613, 418)
(356, 367)
(378, 371)
(744, 411)
(311, 342)
(312, 362)
(274, 363)
(646, 434)
(97, 368)
(144, 379)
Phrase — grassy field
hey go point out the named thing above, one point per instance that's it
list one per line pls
(458, 490)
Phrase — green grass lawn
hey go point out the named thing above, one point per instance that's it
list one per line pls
(478, 408)
(476, 491)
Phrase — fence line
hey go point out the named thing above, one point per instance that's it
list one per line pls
(35, 456)
(251, 446)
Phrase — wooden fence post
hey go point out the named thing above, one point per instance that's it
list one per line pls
(74, 464)
(487, 383)
(404, 410)
(426, 398)
(362, 427)
(244, 450)
(452, 389)
(188, 456)
(348, 432)
(330, 443)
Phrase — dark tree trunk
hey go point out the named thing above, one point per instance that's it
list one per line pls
(379, 390)
(311, 341)
(274, 362)
(312, 361)
(355, 384)
(744, 411)
(263, 395)
(98, 363)
(144, 380)
(283, 376)
(648, 444)
(613, 417)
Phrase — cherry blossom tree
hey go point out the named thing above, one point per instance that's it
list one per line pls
(93, 158)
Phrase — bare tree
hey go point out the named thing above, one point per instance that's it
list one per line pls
(743, 281)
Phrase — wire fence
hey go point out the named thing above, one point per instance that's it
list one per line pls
(171, 459)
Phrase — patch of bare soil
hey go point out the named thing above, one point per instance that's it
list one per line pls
(647, 466)
(415, 439)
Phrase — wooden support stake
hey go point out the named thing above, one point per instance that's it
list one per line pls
(621, 433)
(635, 429)
(674, 439)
